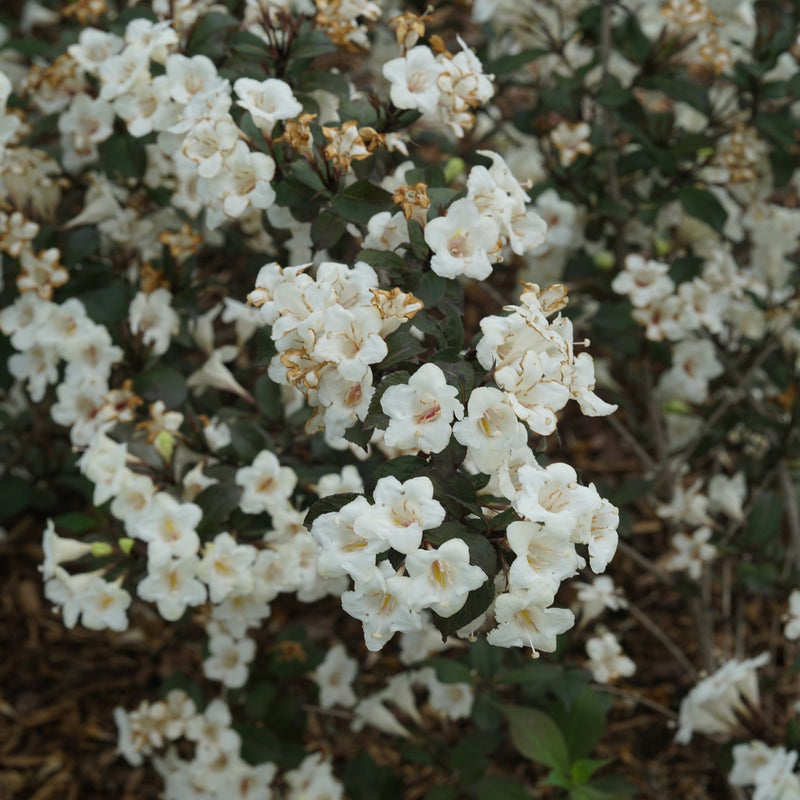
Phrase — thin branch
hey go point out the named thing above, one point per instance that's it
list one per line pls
(645, 563)
(633, 442)
(639, 699)
(676, 652)
(793, 515)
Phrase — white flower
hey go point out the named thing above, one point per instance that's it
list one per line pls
(645, 282)
(58, 549)
(267, 485)
(229, 660)
(545, 555)
(606, 659)
(314, 780)
(769, 769)
(464, 242)
(524, 619)
(414, 80)
(153, 317)
(453, 700)
(692, 552)
(442, 578)
(267, 101)
(226, 567)
(596, 596)
(712, 706)
(171, 583)
(491, 429)
(103, 604)
(791, 628)
(420, 412)
(168, 527)
(343, 550)
(381, 602)
(402, 511)
(334, 677)
(727, 495)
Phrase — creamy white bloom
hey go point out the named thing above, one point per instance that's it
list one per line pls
(153, 316)
(463, 242)
(225, 567)
(267, 101)
(712, 706)
(266, 485)
(691, 552)
(334, 677)
(421, 411)
(607, 662)
(524, 619)
(414, 80)
(442, 578)
(490, 430)
(382, 603)
(402, 511)
(171, 583)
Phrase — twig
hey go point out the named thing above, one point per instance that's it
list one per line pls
(662, 637)
(793, 515)
(633, 442)
(734, 395)
(646, 563)
(705, 632)
(641, 700)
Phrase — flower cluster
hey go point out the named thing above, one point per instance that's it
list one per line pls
(328, 332)
(217, 769)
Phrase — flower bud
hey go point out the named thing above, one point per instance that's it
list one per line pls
(165, 445)
(453, 168)
(677, 407)
(126, 545)
(101, 549)
(604, 260)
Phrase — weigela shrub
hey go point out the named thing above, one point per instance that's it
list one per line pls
(242, 244)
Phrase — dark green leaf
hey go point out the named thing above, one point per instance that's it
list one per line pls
(485, 658)
(584, 721)
(210, 27)
(780, 127)
(498, 787)
(537, 737)
(584, 768)
(306, 174)
(268, 396)
(258, 700)
(217, 501)
(161, 383)
(512, 63)
(73, 521)
(326, 230)
(365, 780)
(360, 201)
(402, 346)
(401, 467)
(77, 244)
(330, 504)
(702, 204)
(450, 671)
(16, 494)
(478, 601)
(383, 259)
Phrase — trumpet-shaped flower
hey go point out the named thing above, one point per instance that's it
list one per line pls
(442, 578)
(402, 511)
(420, 412)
